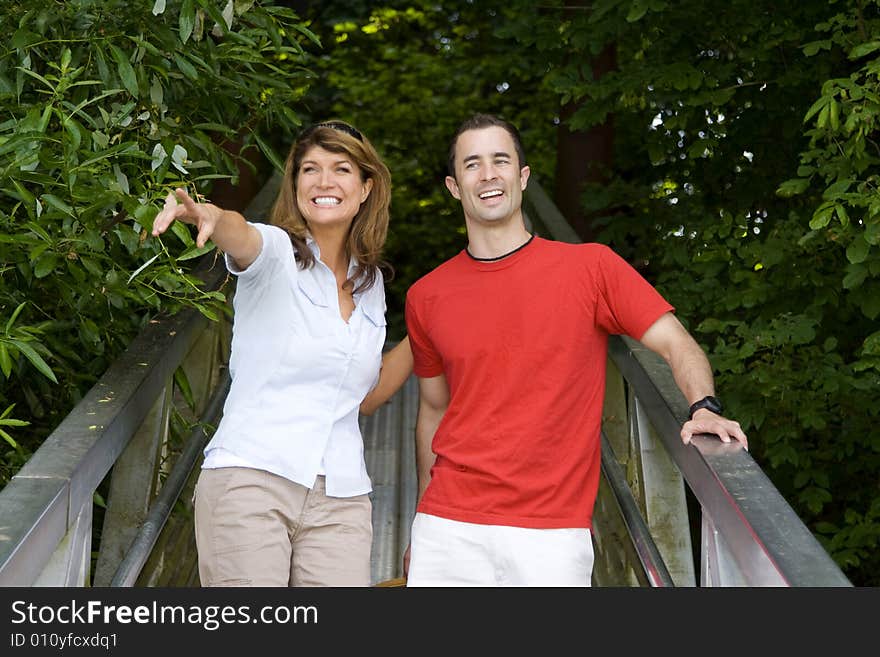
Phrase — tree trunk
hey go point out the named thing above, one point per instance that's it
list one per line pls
(253, 170)
(583, 156)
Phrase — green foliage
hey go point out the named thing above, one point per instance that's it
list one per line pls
(104, 107)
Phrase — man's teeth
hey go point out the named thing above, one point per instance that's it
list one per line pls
(491, 193)
(327, 200)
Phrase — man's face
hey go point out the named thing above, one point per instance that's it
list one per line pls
(488, 179)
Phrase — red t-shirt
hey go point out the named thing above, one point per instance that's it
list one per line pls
(522, 342)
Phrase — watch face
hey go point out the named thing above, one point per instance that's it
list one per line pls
(708, 402)
(713, 404)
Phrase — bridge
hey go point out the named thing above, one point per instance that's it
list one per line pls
(667, 514)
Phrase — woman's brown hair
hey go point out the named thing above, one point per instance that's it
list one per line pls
(369, 228)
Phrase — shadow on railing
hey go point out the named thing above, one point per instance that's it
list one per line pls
(749, 535)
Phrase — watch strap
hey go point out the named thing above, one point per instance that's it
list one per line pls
(709, 402)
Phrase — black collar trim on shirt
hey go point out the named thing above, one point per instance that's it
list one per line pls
(504, 255)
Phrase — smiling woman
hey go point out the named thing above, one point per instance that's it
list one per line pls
(307, 344)
(335, 163)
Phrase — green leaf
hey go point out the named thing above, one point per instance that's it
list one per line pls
(59, 204)
(217, 127)
(24, 38)
(871, 306)
(15, 315)
(119, 149)
(185, 67)
(126, 71)
(65, 59)
(182, 382)
(813, 47)
(822, 121)
(45, 265)
(815, 107)
(195, 252)
(39, 77)
(35, 359)
(25, 138)
(207, 312)
(836, 190)
(269, 152)
(75, 132)
(864, 49)
(9, 439)
(636, 11)
(159, 155)
(871, 345)
(210, 6)
(187, 20)
(140, 269)
(26, 196)
(5, 360)
(91, 266)
(793, 187)
(183, 233)
(822, 216)
(855, 276)
(857, 251)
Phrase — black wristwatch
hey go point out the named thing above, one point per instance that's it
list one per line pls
(709, 402)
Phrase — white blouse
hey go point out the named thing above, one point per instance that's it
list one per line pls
(299, 371)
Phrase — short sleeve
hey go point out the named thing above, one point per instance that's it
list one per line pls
(627, 304)
(276, 242)
(426, 361)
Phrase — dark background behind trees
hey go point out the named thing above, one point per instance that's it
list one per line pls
(727, 149)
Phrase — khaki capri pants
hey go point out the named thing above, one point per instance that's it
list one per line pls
(255, 528)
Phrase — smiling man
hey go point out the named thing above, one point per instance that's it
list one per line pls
(509, 340)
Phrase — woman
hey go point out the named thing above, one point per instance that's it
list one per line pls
(283, 495)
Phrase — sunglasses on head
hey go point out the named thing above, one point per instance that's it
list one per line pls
(339, 125)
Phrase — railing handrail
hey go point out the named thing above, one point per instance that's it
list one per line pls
(761, 529)
(145, 539)
(651, 561)
(40, 502)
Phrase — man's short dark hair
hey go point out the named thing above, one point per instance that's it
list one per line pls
(478, 122)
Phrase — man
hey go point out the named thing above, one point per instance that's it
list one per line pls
(509, 339)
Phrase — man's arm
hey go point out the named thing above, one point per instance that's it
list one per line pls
(433, 400)
(693, 375)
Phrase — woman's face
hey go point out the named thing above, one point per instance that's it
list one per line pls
(329, 188)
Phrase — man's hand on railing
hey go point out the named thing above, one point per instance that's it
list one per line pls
(705, 421)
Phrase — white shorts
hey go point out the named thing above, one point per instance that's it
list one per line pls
(450, 553)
